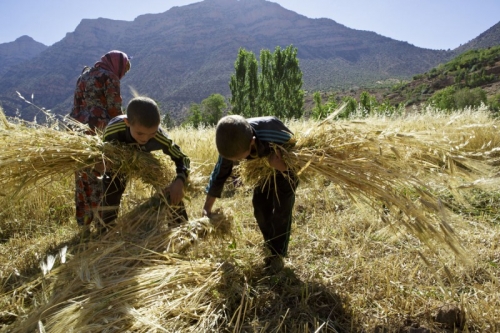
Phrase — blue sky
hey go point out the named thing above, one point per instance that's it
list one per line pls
(435, 24)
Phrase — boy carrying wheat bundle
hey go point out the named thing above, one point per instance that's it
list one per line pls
(396, 175)
(238, 138)
(140, 127)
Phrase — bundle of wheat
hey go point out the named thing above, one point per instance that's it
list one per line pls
(3, 120)
(134, 277)
(35, 154)
(389, 170)
(159, 223)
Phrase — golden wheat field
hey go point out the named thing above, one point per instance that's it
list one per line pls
(396, 228)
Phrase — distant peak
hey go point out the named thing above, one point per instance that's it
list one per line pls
(25, 38)
(233, 1)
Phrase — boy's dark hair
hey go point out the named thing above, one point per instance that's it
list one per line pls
(233, 136)
(143, 111)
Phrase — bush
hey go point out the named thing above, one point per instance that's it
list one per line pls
(351, 107)
(451, 99)
(367, 102)
(469, 98)
(443, 99)
(494, 104)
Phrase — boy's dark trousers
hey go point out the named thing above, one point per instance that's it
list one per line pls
(273, 205)
(113, 188)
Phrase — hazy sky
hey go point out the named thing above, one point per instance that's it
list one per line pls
(435, 24)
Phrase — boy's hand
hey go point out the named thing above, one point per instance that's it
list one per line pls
(176, 190)
(207, 208)
(276, 161)
(99, 167)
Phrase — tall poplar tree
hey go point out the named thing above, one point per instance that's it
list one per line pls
(276, 90)
(243, 84)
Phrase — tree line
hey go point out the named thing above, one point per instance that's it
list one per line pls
(269, 86)
(272, 85)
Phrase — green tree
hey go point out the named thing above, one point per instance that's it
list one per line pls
(266, 83)
(253, 87)
(282, 80)
(367, 102)
(208, 112)
(494, 104)
(443, 99)
(244, 84)
(277, 90)
(386, 108)
(318, 112)
(194, 118)
(332, 104)
(212, 108)
(350, 108)
(450, 99)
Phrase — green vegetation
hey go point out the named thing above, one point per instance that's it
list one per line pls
(469, 80)
(320, 110)
(366, 106)
(451, 99)
(456, 84)
(275, 90)
(208, 112)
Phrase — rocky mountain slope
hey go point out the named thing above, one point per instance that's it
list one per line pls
(490, 37)
(18, 51)
(187, 53)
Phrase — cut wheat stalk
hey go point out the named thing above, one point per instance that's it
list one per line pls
(135, 276)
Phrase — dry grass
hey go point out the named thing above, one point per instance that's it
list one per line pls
(347, 270)
(135, 277)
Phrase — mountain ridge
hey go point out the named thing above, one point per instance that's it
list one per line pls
(22, 49)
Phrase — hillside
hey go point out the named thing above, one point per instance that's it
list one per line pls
(473, 75)
(472, 69)
(22, 49)
(187, 53)
(487, 39)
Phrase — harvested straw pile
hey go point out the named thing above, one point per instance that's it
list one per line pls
(134, 278)
(397, 174)
(37, 154)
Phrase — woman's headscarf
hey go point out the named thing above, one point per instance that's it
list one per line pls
(116, 62)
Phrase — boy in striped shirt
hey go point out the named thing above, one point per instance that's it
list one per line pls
(238, 138)
(141, 127)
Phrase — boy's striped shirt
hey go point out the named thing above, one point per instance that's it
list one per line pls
(266, 130)
(118, 131)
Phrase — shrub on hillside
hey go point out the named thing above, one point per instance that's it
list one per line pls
(469, 98)
(494, 104)
(443, 99)
(450, 98)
